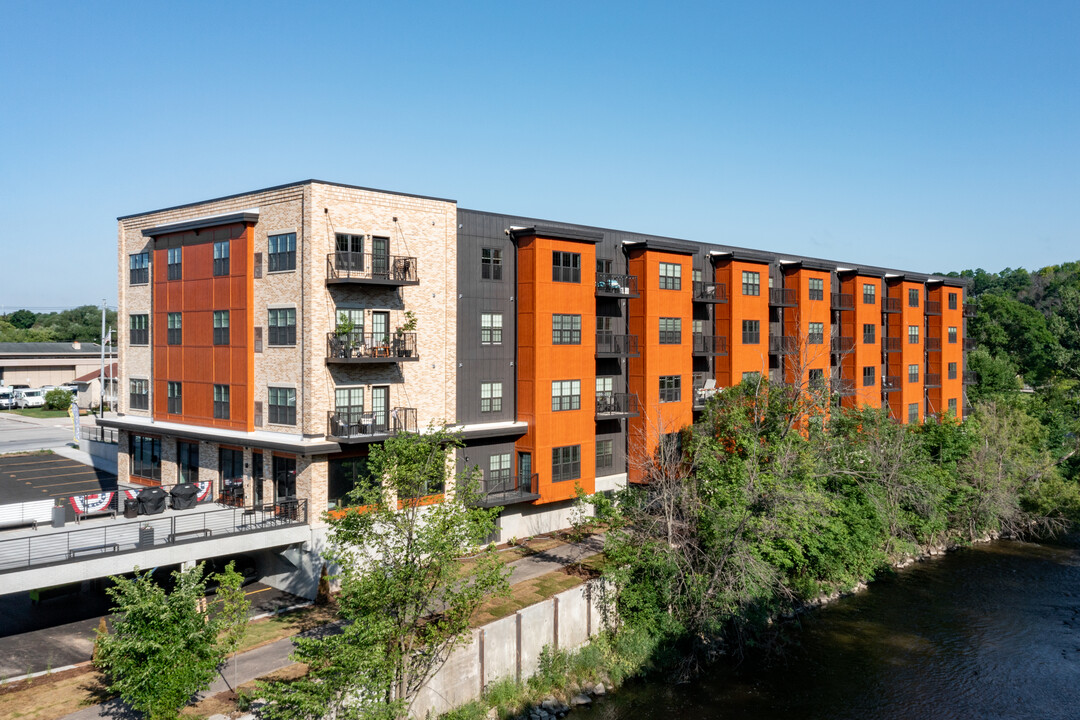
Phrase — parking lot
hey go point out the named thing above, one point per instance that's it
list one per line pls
(24, 478)
(21, 434)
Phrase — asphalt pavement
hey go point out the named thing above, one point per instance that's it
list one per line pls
(23, 434)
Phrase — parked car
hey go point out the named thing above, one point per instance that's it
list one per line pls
(7, 400)
(29, 398)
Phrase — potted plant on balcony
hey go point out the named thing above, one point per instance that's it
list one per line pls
(343, 331)
(399, 335)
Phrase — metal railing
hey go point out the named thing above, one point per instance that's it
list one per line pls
(970, 377)
(616, 285)
(507, 489)
(933, 307)
(843, 344)
(710, 344)
(783, 344)
(374, 267)
(891, 344)
(96, 433)
(933, 344)
(843, 301)
(890, 304)
(710, 291)
(371, 347)
(890, 383)
(347, 424)
(842, 386)
(970, 310)
(932, 380)
(616, 404)
(611, 344)
(147, 532)
(782, 296)
(969, 343)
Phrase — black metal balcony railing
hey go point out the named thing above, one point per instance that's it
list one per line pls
(371, 347)
(355, 424)
(843, 344)
(969, 343)
(783, 344)
(372, 268)
(970, 310)
(932, 380)
(616, 345)
(147, 533)
(507, 490)
(614, 285)
(843, 301)
(891, 344)
(890, 305)
(842, 386)
(704, 388)
(710, 344)
(784, 297)
(890, 383)
(714, 292)
(970, 377)
(933, 307)
(615, 405)
(933, 344)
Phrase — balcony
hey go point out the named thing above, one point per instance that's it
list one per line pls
(704, 388)
(710, 292)
(843, 301)
(890, 383)
(890, 305)
(709, 345)
(616, 286)
(783, 344)
(933, 307)
(933, 344)
(349, 425)
(970, 310)
(612, 345)
(613, 406)
(508, 490)
(970, 377)
(969, 344)
(890, 344)
(932, 380)
(842, 386)
(371, 269)
(782, 297)
(843, 344)
(370, 348)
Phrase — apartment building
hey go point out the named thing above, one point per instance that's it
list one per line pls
(274, 336)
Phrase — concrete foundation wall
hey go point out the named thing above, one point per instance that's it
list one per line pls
(522, 521)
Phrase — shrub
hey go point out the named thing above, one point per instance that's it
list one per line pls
(57, 399)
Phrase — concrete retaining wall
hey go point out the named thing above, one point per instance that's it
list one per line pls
(511, 647)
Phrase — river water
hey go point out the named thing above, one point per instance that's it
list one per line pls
(988, 632)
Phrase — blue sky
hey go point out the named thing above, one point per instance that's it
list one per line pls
(922, 135)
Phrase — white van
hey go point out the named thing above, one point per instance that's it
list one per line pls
(29, 398)
(7, 399)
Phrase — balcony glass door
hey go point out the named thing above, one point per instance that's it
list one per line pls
(284, 478)
(380, 405)
(350, 252)
(380, 257)
(380, 328)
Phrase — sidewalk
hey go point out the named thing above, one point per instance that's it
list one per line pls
(260, 661)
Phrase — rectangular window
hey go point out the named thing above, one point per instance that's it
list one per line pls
(491, 328)
(751, 332)
(565, 395)
(952, 371)
(281, 255)
(139, 398)
(221, 258)
(349, 403)
(566, 329)
(566, 463)
(751, 283)
(670, 331)
(221, 402)
(566, 267)
(491, 264)
(176, 267)
(869, 376)
(282, 402)
(699, 327)
(913, 413)
(231, 463)
(670, 276)
(500, 470)
(145, 456)
(221, 327)
(282, 322)
(344, 476)
(139, 264)
(751, 377)
(913, 297)
(952, 401)
(605, 456)
(670, 388)
(913, 373)
(913, 334)
(817, 289)
(816, 378)
(284, 469)
(175, 332)
(491, 397)
(952, 306)
(952, 335)
(816, 334)
(869, 333)
(187, 458)
(140, 329)
(869, 294)
(175, 404)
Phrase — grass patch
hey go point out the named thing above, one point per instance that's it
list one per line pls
(229, 701)
(524, 594)
(43, 413)
(278, 627)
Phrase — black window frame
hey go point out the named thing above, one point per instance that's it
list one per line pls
(815, 333)
(231, 466)
(913, 334)
(493, 333)
(175, 267)
(221, 402)
(672, 279)
(144, 452)
(174, 334)
(816, 288)
(869, 294)
(565, 266)
(952, 334)
(278, 334)
(913, 297)
(869, 376)
(673, 334)
(221, 330)
(869, 333)
(174, 397)
(138, 394)
(139, 268)
(670, 388)
(139, 329)
(281, 413)
(221, 258)
(566, 463)
(491, 264)
(751, 283)
(952, 304)
(187, 460)
(952, 401)
(605, 453)
(913, 372)
(952, 370)
(561, 335)
(565, 401)
(751, 332)
(913, 413)
(493, 402)
(278, 259)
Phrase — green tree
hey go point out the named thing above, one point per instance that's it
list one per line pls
(163, 648)
(58, 399)
(406, 598)
(22, 319)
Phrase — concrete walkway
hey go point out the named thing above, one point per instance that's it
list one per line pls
(274, 656)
